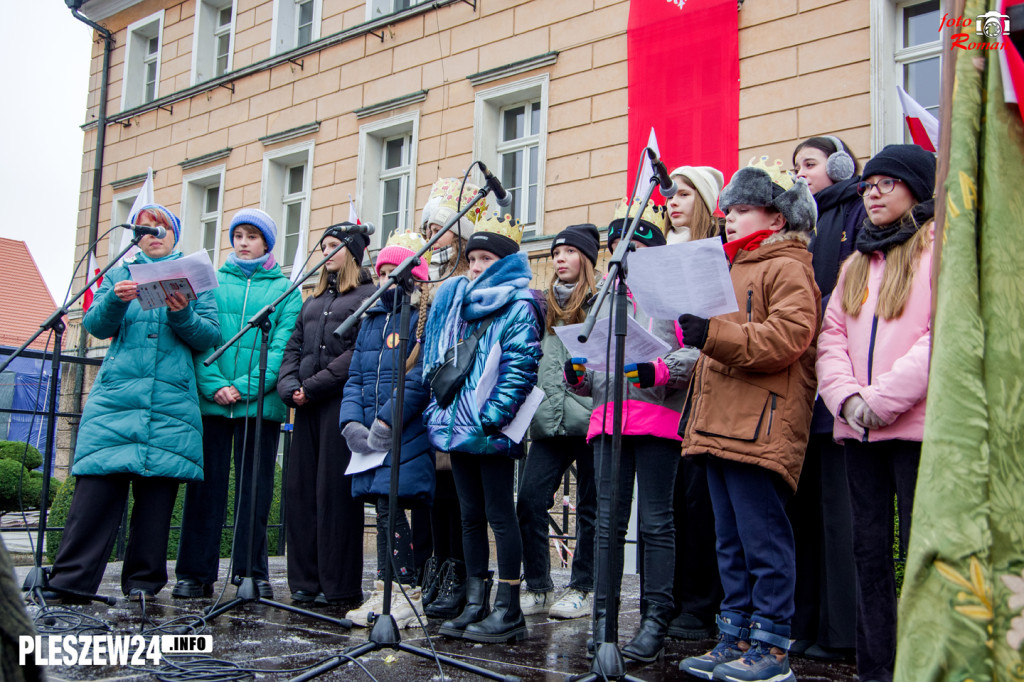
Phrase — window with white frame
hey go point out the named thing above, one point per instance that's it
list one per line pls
(385, 175)
(119, 212)
(201, 212)
(907, 51)
(287, 182)
(296, 23)
(141, 82)
(510, 137)
(380, 8)
(212, 45)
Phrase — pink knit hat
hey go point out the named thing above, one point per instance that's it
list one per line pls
(400, 247)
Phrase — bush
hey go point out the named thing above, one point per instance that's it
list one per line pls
(15, 450)
(62, 503)
(21, 488)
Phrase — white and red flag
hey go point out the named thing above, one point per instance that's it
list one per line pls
(924, 127)
(90, 293)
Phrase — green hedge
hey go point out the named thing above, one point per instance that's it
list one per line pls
(59, 514)
(20, 486)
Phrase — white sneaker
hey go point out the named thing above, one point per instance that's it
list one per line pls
(375, 604)
(573, 604)
(534, 603)
(402, 611)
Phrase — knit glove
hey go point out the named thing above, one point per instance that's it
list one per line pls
(379, 439)
(647, 374)
(695, 330)
(574, 371)
(356, 435)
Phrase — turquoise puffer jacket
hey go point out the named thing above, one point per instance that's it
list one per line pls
(142, 415)
(238, 299)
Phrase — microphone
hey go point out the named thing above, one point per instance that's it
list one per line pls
(159, 231)
(503, 198)
(666, 186)
(349, 228)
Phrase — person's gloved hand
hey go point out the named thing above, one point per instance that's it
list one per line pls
(574, 371)
(695, 330)
(492, 430)
(647, 374)
(355, 434)
(379, 439)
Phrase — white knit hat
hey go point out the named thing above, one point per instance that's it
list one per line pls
(706, 180)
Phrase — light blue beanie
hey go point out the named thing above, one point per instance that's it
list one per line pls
(258, 219)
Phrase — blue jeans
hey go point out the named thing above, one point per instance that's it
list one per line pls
(756, 551)
(653, 461)
(206, 500)
(546, 463)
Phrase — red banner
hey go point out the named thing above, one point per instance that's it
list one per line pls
(684, 81)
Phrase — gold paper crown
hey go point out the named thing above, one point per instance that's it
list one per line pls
(447, 191)
(505, 225)
(778, 174)
(407, 240)
(654, 214)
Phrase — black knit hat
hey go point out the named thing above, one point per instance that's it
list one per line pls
(584, 238)
(907, 162)
(356, 243)
(498, 244)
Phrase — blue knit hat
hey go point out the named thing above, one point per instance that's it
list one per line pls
(258, 219)
(164, 215)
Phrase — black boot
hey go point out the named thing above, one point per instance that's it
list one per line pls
(451, 595)
(478, 606)
(649, 643)
(431, 579)
(505, 622)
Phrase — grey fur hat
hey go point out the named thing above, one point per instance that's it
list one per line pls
(753, 186)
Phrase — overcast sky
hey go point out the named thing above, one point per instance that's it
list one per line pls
(44, 85)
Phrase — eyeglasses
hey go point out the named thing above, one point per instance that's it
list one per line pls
(885, 185)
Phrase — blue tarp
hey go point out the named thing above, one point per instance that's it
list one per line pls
(24, 386)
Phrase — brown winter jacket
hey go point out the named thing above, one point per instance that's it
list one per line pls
(753, 388)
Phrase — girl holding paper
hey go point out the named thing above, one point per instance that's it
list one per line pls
(650, 451)
(141, 427)
(366, 424)
(493, 305)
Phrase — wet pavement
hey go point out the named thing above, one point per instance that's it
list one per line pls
(283, 645)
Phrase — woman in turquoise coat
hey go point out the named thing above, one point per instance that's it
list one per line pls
(228, 399)
(141, 426)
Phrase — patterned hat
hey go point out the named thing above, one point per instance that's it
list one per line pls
(445, 202)
(254, 217)
(399, 247)
(498, 234)
(650, 231)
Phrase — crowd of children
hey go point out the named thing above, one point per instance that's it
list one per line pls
(766, 445)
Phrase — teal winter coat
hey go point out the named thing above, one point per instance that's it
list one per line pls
(142, 415)
(238, 299)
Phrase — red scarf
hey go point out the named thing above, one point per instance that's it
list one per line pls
(748, 243)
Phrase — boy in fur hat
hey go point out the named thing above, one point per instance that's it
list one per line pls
(749, 409)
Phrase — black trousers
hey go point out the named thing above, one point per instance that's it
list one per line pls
(324, 524)
(826, 603)
(876, 472)
(486, 486)
(446, 519)
(89, 533)
(206, 500)
(697, 589)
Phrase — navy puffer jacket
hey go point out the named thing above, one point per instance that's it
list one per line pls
(368, 396)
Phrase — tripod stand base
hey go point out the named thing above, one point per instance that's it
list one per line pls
(37, 580)
(385, 635)
(608, 664)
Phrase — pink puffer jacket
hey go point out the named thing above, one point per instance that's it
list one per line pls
(886, 361)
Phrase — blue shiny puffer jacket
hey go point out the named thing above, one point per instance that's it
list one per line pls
(368, 396)
(462, 427)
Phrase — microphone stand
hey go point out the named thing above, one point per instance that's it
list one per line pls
(37, 578)
(247, 591)
(608, 663)
(385, 633)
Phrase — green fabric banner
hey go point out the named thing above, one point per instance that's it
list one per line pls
(960, 610)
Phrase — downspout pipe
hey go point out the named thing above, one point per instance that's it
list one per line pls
(97, 185)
